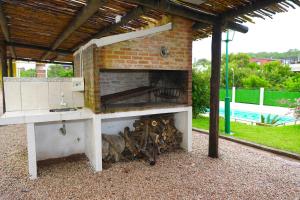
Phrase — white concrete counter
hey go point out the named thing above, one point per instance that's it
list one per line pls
(60, 134)
(34, 116)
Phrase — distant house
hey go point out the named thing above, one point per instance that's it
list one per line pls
(262, 61)
(294, 62)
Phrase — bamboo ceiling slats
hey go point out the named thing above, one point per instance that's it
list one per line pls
(40, 22)
(220, 7)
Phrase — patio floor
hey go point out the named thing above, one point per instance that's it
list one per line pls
(240, 173)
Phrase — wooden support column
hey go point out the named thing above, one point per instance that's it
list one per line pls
(11, 73)
(214, 91)
(3, 58)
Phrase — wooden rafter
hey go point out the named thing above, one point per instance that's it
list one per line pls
(38, 47)
(133, 14)
(43, 61)
(4, 28)
(175, 9)
(179, 10)
(230, 25)
(85, 13)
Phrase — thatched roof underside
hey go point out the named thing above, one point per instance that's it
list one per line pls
(40, 22)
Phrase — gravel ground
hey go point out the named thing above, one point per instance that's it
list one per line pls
(240, 173)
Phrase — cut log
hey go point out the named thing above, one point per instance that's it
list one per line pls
(112, 147)
(151, 136)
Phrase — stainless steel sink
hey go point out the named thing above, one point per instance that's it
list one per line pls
(62, 109)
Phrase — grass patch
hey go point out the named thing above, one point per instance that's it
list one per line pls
(285, 137)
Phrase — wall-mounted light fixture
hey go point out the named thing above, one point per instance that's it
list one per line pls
(164, 51)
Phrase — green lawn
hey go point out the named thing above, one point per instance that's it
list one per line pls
(285, 138)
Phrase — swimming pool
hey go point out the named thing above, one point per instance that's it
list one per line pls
(255, 116)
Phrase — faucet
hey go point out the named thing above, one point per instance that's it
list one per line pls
(62, 101)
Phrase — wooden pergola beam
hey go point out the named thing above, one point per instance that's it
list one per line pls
(44, 61)
(132, 14)
(38, 47)
(179, 10)
(4, 28)
(228, 25)
(84, 14)
(4, 68)
(174, 9)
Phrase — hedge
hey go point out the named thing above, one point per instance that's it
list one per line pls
(223, 94)
(271, 98)
(274, 98)
(247, 96)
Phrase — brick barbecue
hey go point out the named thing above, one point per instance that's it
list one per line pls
(145, 72)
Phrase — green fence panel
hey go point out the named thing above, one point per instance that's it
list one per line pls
(247, 96)
(276, 98)
(223, 94)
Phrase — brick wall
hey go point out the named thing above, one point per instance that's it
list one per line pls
(40, 70)
(77, 65)
(144, 53)
(91, 78)
(114, 81)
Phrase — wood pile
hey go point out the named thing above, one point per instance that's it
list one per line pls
(151, 136)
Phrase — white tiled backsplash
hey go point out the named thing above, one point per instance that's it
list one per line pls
(40, 93)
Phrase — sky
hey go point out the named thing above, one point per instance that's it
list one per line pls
(271, 35)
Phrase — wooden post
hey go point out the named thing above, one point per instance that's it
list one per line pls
(11, 73)
(3, 58)
(214, 90)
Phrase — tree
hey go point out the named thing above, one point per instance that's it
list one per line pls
(28, 73)
(254, 81)
(239, 64)
(202, 64)
(276, 74)
(292, 53)
(200, 92)
(293, 83)
(59, 71)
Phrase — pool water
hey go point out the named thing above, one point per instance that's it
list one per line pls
(254, 116)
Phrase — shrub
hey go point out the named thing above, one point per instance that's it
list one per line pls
(200, 92)
(254, 81)
(59, 71)
(28, 73)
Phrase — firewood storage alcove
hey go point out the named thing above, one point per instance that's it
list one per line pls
(145, 128)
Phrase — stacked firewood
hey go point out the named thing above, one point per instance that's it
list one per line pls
(151, 136)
